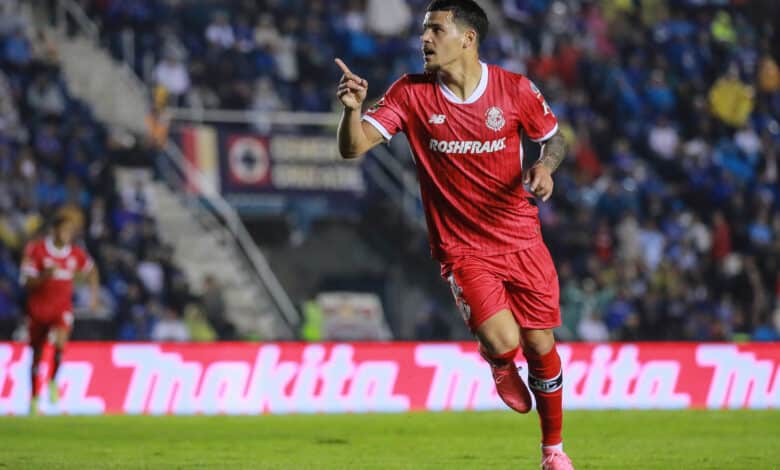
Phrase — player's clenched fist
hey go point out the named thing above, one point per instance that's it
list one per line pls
(352, 89)
(539, 181)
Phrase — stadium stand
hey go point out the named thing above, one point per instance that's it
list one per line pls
(665, 221)
(56, 156)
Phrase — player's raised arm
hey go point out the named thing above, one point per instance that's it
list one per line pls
(354, 136)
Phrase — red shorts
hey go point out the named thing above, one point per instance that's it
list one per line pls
(524, 282)
(39, 328)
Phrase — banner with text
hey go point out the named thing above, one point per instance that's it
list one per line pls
(244, 378)
(271, 173)
(288, 164)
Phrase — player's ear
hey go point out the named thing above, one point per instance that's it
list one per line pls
(469, 38)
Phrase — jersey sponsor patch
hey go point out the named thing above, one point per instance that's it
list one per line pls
(494, 118)
(467, 146)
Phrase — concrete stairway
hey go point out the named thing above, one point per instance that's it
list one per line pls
(114, 93)
(201, 247)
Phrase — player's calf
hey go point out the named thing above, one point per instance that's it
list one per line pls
(34, 368)
(36, 360)
(54, 392)
(545, 379)
(60, 339)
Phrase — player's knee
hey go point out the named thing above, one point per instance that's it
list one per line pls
(500, 342)
(499, 333)
(60, 338)
(539, 342)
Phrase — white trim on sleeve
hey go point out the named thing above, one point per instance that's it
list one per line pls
(378, 127)
(547, 135)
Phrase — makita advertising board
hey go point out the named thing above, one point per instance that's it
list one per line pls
(251, 378)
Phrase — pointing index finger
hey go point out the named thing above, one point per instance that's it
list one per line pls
(343, 67)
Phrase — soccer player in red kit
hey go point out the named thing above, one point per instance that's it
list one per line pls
(48, 268)
(464, 120)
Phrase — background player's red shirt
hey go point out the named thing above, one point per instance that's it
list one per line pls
(469, 157)
(53, 297)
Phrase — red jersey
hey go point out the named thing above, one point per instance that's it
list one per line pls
(469, 157)
(54, 296)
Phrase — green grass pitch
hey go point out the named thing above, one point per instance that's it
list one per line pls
(490, 440)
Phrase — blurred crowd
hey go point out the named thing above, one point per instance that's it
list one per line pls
(55, 157)
(672, 116)
(665, 222)
(261, 55)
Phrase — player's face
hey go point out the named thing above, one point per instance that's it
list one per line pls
(442, 40)
(64, 232)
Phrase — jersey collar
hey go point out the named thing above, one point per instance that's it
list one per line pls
(54, 251)
(478, 92)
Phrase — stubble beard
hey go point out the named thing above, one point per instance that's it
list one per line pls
(432, 68)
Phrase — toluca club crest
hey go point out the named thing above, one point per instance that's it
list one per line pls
(494, 118)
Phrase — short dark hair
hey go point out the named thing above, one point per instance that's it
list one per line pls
(464, 11)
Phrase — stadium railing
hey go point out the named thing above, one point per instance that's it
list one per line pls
(209, 205)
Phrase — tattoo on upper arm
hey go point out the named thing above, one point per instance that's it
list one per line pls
(553, 152)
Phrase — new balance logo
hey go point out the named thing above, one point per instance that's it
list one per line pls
(437, 119)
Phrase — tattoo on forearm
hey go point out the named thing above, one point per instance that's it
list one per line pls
(553, 152)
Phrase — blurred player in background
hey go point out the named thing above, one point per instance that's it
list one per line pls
(464, 120)
(48, 269)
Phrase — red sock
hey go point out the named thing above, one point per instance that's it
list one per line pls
(34, 379)
(546, 382)
(55, 366)
(499, 360)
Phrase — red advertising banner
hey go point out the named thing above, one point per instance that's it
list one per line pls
(251, 378)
